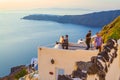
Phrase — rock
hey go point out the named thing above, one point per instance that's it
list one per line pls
(17, 68)
(83, 65)
(15, 71)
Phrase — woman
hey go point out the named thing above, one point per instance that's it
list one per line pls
(98, 42)
(62, 41)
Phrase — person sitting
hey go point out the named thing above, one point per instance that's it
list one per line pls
(80, 41)
(58, 46)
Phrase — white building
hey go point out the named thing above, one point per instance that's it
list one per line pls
(52, 62)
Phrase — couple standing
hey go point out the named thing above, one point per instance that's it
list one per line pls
(98, 41)
(64, 41)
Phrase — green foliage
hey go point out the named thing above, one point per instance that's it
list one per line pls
(111, 30)
(22, 73)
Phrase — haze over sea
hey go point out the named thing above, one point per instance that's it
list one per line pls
(20, 39)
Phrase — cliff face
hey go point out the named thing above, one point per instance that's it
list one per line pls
(15, 73)
(97, 19)
(112, 30)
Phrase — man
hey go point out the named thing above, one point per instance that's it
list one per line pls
(88, 39)
(66, 42)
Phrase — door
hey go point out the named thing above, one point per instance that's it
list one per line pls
(59, 71)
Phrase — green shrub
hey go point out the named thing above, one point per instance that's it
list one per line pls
(22, 73)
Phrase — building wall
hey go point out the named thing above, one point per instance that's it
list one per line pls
(65, 59)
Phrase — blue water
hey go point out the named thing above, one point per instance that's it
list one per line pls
(20, 39)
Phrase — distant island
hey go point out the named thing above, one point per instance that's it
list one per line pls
(96, 19)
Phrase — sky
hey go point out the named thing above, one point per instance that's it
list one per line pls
(85, 4)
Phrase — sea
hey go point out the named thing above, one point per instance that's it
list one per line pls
(20, 39)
